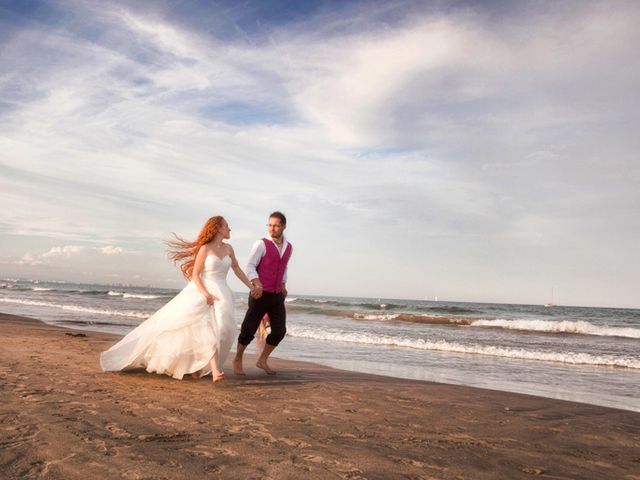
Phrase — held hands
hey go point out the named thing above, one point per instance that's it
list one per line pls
(256, 291)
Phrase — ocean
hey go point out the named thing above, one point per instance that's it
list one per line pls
(589, 355)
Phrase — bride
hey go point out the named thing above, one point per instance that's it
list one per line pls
(193, 333)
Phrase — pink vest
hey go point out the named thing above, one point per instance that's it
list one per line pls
(271, 267)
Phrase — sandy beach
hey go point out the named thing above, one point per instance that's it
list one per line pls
(62, 417)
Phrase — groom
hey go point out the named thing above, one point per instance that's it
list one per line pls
(267, 270)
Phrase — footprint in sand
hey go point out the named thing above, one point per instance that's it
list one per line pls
(21, 434)
(117, 431)
(299, 419)
(533, 470)
(213, 468)
(207, 451)
(167, 437)
(34, 470)
(98, 445)
(342, 470)
(167, 421)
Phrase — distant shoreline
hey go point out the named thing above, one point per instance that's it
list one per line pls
(177, 288)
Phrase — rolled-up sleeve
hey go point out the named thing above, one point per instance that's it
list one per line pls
(286, 273)
(257, 252)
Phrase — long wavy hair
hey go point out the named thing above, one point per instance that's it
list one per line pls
(180, 249)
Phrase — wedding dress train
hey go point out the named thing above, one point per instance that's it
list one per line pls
(182, 336)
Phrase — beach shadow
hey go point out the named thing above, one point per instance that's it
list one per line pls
(289, 373)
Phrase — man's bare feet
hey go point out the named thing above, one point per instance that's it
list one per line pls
(237, 367)
(263, 365)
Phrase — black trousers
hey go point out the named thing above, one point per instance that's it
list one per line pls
(271, 303)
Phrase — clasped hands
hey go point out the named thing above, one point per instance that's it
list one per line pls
(256, 291)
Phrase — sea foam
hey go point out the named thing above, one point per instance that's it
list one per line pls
(75, 308)
(142, 296)
(575, 358)
(549, 326)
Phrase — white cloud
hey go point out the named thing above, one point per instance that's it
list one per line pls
(111, 250)
(448, 125)
(29, 259)
(66, 251)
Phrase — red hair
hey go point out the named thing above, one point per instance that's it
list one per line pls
(180, 249)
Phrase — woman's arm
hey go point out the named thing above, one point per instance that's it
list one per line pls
(238, 271)
(201, 256)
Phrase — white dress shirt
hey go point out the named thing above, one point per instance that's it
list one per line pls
(258, 251)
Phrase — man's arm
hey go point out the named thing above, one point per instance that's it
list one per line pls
(284, 277)
(257, 252)
(286, 270)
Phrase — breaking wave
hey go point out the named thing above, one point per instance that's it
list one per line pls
(75, 308)
(548, 326)
(142, 296)
(574, 358)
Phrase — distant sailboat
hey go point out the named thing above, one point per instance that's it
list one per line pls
(550, 304)
(436, 298)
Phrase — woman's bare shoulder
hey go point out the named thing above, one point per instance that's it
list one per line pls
(205, 248)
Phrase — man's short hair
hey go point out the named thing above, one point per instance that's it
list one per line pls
(280, 216)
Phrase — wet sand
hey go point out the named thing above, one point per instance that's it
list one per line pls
(63, 418)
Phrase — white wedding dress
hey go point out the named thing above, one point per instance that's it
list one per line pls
(182, 336)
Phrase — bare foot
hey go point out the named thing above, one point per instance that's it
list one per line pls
(196, 375)
(218, 377)
(237, 367)
(263, 365)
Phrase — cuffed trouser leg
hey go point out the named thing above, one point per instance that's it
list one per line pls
(272, 304)
(255, 312)
(277, 319)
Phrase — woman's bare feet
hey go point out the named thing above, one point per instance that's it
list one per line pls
(263, 365)
(218, 377)
(196, 375)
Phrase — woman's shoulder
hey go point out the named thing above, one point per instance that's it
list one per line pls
(205, 248)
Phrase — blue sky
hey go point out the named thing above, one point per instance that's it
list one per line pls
(474, 151)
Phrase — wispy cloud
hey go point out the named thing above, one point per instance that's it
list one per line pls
(513, 129)
(66, 252)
